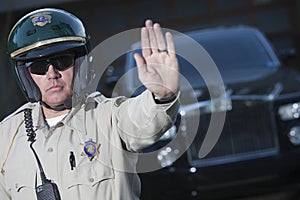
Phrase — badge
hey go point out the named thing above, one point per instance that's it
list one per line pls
(41, 19)
(90, 149)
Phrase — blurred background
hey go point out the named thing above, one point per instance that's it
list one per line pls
(278, 19)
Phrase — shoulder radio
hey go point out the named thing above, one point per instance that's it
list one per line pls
(48, 190)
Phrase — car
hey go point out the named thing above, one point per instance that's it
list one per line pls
(237, 132)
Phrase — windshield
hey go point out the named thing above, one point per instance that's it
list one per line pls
(231, 50)
(240, 54)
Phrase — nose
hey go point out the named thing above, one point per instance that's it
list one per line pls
(52, 73)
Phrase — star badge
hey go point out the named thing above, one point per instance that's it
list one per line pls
(90, 149)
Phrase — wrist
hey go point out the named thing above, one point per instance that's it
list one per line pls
(162, 100)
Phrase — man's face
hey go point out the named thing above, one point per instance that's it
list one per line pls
(56, 83)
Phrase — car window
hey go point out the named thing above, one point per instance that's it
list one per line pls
(236, 50)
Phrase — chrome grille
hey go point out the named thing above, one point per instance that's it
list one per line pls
(248, 132)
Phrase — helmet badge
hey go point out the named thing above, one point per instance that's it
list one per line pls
(41, 19)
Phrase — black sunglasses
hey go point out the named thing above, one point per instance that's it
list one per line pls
(59, 62)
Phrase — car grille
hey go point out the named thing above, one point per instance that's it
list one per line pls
(249, 132)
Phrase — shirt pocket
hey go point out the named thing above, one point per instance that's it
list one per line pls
(21, 184)
(89, 173)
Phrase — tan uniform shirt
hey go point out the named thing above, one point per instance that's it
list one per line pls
(118, 126)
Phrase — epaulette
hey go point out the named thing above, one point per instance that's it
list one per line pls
(20, 109)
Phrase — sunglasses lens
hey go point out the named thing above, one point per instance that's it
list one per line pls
(39, 67)
(60, 63)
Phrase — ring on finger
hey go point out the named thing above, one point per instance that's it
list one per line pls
(162, 50)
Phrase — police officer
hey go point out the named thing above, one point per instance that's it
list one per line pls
(82, 142)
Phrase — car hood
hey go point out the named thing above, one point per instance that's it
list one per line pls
(248, 85)
(282, 81)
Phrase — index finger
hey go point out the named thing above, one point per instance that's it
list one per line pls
(145, 43)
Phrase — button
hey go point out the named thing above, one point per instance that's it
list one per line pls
(50, 149)
(92, 180)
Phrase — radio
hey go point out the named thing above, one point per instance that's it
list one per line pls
(48, 190)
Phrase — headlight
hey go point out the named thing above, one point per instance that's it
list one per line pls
(289, 111)
(167, 156)
(294, 135)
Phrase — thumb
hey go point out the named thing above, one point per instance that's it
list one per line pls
(140, 62)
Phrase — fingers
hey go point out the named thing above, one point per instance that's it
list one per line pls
(170, 44)
(152, 36)
(161, 45)
(153, 41)
(145, 43)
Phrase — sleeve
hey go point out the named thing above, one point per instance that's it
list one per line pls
(141, 122)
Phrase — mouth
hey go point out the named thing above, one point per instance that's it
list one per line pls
(54, 88)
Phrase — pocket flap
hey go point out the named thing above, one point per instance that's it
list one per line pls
(90, 174)
(21, 183)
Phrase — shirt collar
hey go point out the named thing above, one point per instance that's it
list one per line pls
(77, 117)
(38, 117)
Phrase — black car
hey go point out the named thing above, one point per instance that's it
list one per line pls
(255, 106)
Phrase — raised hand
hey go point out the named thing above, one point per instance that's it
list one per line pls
(158, 64)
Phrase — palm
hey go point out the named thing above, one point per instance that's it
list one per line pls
(157, 70)
(160, 76)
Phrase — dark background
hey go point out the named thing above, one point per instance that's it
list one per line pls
(278, 19)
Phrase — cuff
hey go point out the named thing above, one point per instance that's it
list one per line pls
(164, 100)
